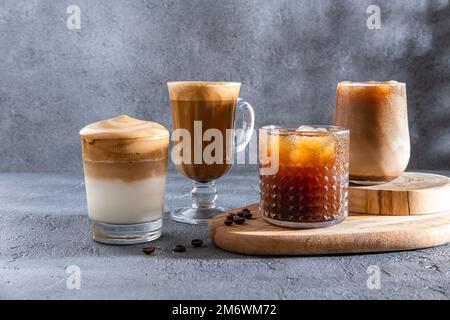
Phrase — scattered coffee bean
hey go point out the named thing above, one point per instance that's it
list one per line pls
(148, 250)
(245, 210)
(228, 222)
(179, 248)
(230, 216)
(239, 220)
(241, 214)
(248, 215)
(197, 242)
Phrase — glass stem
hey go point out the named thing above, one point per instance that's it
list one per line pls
(204, 195)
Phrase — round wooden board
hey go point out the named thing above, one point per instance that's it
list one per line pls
(413, 193)
(357, 234)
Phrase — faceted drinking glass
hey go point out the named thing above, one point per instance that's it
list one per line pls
(303, 175)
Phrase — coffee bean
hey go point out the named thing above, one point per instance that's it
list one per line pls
(228, 222)
(245, 210)
(197, 242)
(148, 250)
(230, 216)
(248, 216)
(179, 248)
(239, 220)
(241, 214)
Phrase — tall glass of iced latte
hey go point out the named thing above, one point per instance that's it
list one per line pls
(376, 114)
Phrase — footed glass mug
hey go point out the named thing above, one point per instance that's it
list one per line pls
(203, 115)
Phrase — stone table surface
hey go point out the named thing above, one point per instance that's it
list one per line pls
(44, 229)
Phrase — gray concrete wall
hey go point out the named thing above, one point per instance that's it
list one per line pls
(288, 54)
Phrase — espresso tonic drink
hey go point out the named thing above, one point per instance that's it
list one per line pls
(203, 115)
(376, 114)
(125, 167)
(303, 175)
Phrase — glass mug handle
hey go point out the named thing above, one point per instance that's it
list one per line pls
(248, 123)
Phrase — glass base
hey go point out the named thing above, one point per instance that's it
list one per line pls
(370, 181)
(203, 208)
(367, 183)
(304, 225)
(126, 233)
(196, 215)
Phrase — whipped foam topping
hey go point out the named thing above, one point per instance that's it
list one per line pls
(123, 127)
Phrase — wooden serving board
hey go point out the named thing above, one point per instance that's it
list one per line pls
(413, 193)
(357, 234)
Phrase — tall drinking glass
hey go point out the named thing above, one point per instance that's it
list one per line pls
(376, 114)
(203, 115)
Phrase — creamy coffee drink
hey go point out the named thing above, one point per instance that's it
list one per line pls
(203, 114)
(376, 114)
(125, 167)
(214, 106)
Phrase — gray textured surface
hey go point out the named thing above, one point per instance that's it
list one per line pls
(289, 54)
(44, 229)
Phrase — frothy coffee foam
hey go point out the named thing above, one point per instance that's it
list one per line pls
(371, 83)
(203, 91)
(123, 127)
(124, 139)
(124, 148)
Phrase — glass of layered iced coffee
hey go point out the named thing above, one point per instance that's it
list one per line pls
(303, 175)
(203, 117)
(376, 114)
(125, 167)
